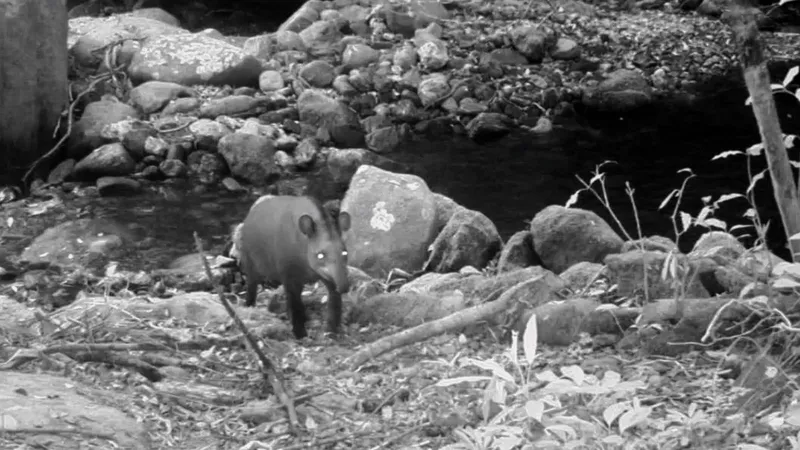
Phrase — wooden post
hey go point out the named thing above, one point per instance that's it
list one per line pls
(742, 20)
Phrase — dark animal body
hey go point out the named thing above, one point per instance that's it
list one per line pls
(293, 241)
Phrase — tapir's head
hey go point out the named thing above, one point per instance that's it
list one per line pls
(327, 254)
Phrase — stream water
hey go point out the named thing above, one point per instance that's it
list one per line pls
(513, 178)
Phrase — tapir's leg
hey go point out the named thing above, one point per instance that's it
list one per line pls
(297, 311)
(334, 307)
(252, 291)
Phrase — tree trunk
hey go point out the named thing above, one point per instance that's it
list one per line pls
(33, 81)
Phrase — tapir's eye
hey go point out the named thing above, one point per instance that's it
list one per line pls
(320, 255)
(344, 252)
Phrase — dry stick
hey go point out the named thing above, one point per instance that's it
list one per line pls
(142, 346)
(401, 436)
(679, 303)
(59, 431)
(436, 102)
(756, 76)
(26, 355)
(330, 440)
(427, 330)
(388, 399)
(177, 128)
(145, 369)
(270, 371)
(645, 280)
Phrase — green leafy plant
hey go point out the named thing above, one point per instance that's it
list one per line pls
(521, 405)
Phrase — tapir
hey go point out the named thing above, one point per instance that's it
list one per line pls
(293, 241)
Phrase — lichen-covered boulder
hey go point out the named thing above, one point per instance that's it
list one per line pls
(393, 221)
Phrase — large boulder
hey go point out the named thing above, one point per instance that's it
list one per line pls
(151, 96)
(566, 236)
(469, 239)
(627, 272)
(624, 90)
(323, 39)
(306, 14)
(75, 243)
(60, 413)
(407, 17)
(88, 36)
(33, 51)
(190, 59)
(250, 157)
(108, 160)
(517, 253)
(393, 221)
(87, 133)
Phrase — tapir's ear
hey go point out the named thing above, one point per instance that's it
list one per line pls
(307, 225)
(344, 221)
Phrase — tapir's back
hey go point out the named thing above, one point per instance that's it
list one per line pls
(273, 247)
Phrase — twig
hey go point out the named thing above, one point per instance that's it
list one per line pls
(645, 280)
(319, 443)
(91, 434)
(596, 277)
(717, 315)
(436, 102)
(391, 441)
(174, 129)
(25, 355)
(115, 43)
(388, 399)
(604, 198)
(270, 371)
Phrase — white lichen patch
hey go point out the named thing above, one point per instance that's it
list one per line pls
(82, 25)
(427, 213)
(155, 56)
(381, 218)
(133, 26)
(207, 55)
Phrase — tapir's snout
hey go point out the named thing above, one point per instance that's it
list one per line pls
(341, 278)
(337, 275)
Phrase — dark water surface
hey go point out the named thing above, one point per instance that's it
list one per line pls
(511, 179)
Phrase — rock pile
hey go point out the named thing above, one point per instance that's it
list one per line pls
(339, 75)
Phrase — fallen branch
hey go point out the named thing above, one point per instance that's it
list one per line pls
(400, 436)
(269, 369)
(59, 431)
(388, 399)
(187, 392)
(23, 356)
(146, 370)
(427, 330)
(320, 443)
